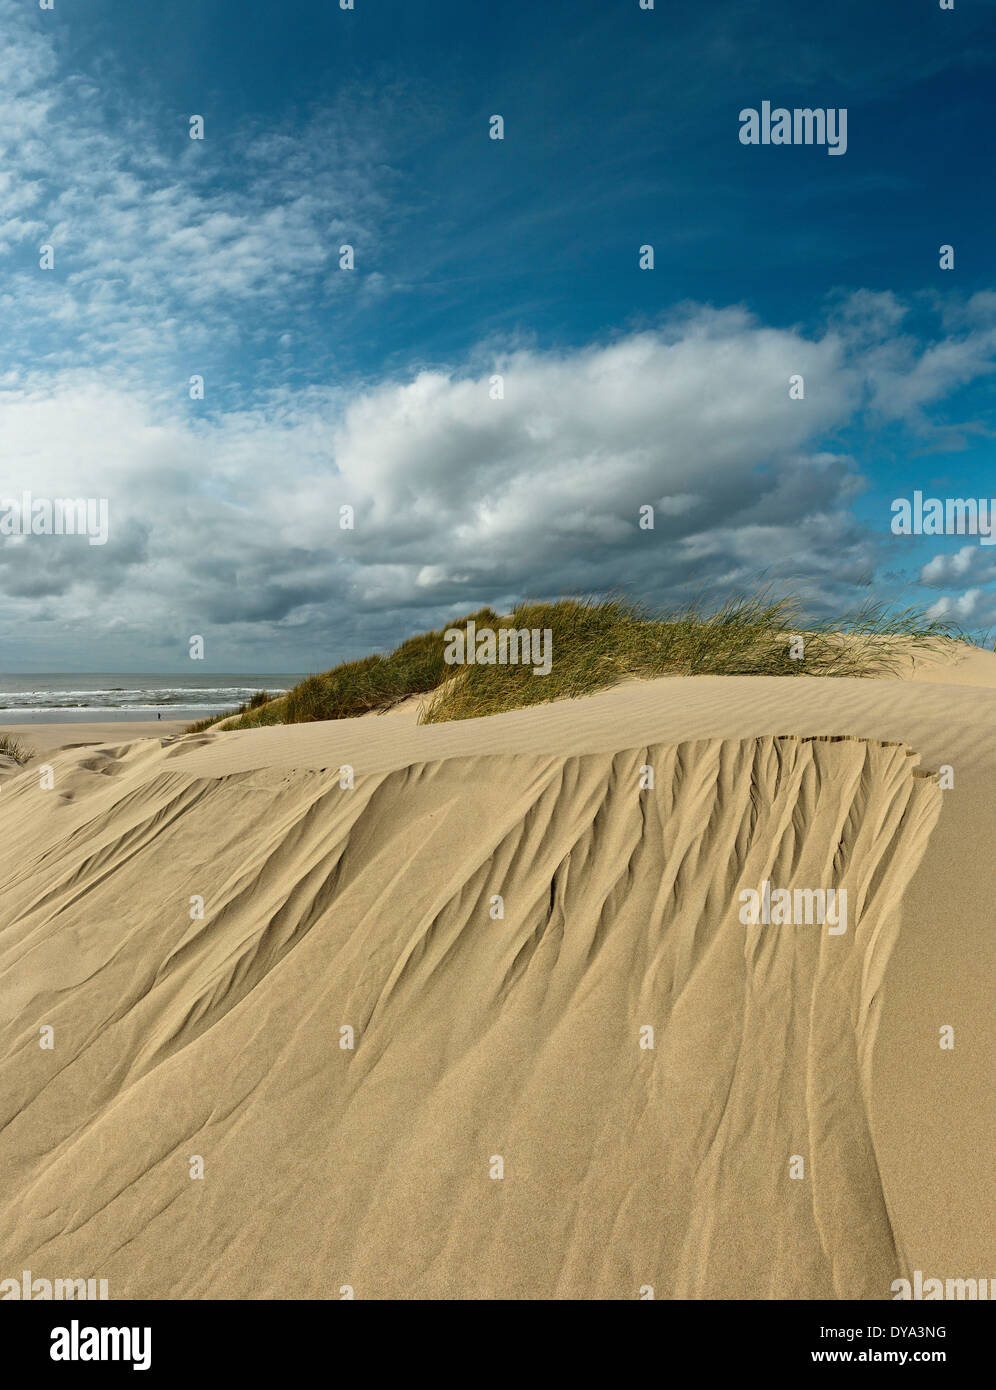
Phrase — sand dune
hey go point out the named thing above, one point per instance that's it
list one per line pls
(517, 1037)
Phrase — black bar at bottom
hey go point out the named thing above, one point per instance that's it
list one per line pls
(198, 1340)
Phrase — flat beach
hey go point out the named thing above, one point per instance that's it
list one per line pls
(45, 736)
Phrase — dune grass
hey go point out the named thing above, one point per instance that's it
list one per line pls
(598, 641)
(261, 697)
(373, 683)
(10, 746)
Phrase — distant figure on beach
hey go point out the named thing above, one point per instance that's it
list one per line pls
(158, 714)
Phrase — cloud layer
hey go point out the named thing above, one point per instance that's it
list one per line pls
(225, 511)
(462, 492)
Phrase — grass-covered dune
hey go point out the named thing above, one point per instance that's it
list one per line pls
(599, 641)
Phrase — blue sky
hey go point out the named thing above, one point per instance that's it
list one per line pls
(370, 387)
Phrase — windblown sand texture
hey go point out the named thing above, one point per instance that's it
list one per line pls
(474, 1037)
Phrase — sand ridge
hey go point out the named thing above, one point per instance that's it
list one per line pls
(476, 1038)
(514, 1038)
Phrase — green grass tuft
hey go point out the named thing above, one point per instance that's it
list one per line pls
(15, 750)
(598, 641)
(254, 702)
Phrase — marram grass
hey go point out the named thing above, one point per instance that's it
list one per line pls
(598, 641)
(10, 746)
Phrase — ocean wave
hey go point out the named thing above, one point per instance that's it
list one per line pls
(185, 697)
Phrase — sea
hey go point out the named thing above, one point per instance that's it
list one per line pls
(85, 696)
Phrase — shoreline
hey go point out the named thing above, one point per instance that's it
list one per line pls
(27, 717)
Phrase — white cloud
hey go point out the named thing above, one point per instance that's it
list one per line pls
(157, 248)
(229, 523)
(955, 568)
(974, 608)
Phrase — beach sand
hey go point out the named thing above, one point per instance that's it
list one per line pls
(496, 1123)
(45, 737)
